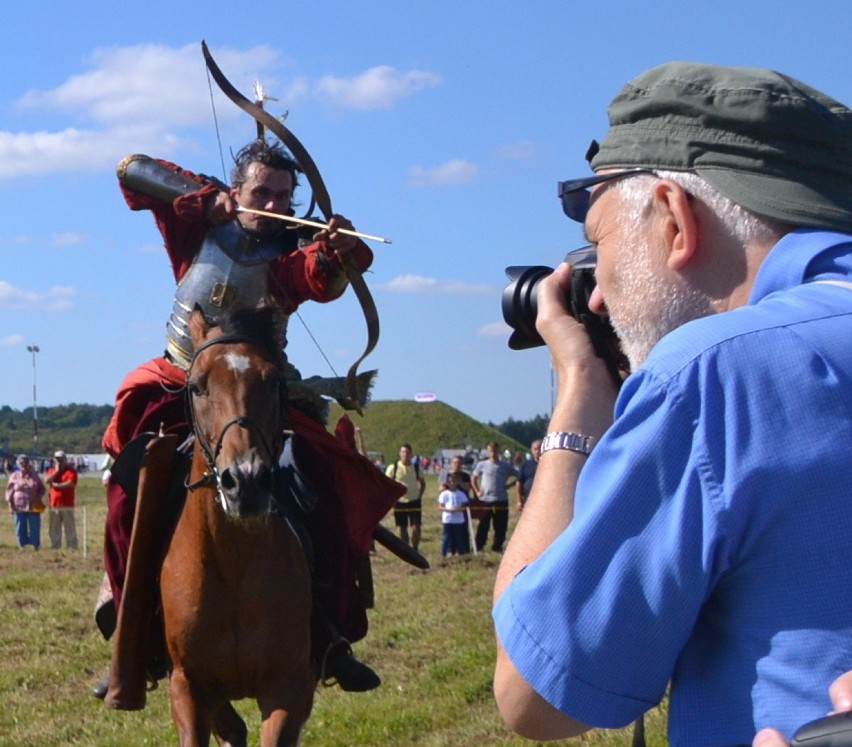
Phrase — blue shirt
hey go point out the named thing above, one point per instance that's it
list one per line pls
(711, 545)
(526, 475)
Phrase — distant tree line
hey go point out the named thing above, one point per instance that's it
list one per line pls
(525, 431)
(75, 428)
(78, 428)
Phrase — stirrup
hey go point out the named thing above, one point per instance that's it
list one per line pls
(325, 679)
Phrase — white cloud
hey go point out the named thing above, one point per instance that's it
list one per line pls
(150, 83)
(419, 284)
(519, 151)
(57, 298)
(151, 249)
(143, 98)
(68, 238)
(57, 239)
(377, 88)
(456, 171)
(495, 329)
(11, 340)
(132, 99)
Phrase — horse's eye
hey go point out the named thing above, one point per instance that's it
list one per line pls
(195, 388)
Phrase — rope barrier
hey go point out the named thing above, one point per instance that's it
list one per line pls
(475, 507)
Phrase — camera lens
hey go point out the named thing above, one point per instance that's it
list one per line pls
(520, 302)
(520, 305)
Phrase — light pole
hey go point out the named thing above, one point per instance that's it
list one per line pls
(34, 349)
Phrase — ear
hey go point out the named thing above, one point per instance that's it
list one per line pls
(678, 223)
(198, 326)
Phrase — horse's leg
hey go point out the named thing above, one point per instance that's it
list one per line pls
(229, 728)
(192, 717)
(284, 715)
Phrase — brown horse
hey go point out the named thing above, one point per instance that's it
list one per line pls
(235, 583)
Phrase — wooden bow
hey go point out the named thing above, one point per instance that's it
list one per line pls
(323, 201)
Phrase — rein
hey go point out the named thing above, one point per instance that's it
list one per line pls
(212, 476)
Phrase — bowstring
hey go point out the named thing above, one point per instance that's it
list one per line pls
(316, 343)
(216, 124)
(224, 172)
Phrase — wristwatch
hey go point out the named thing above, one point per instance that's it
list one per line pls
(569, 441)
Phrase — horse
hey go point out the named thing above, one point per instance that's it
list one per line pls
(235, 583)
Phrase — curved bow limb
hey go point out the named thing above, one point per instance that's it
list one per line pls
(323, 201)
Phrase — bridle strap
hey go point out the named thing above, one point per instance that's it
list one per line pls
(211, 454)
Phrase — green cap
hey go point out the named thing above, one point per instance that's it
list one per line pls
(773, 145)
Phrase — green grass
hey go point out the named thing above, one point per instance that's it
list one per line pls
(430, 638)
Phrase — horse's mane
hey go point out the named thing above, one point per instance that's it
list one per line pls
(263, 325)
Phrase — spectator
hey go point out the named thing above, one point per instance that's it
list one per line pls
(694, 532)
(408, 510)
(526, 473)
(61, 478)
(491, 484)
(456, 468)
(473, 509)
(24, 492)
(453, 501)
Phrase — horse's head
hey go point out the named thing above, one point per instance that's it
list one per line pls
(237, 398)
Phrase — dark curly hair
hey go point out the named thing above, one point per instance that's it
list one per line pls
(271, 155)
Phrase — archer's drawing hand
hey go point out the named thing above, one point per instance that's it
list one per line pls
(341, 243)
(220, 208)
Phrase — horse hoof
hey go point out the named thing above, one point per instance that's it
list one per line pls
(119, 701)
(101, 687)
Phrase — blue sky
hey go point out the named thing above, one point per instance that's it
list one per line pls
(441, 125)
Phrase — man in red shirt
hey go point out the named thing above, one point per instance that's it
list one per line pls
(61, 478)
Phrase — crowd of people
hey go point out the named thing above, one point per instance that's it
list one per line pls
(25, 491)
(481, 495)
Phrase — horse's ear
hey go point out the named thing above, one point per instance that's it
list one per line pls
(198, 326)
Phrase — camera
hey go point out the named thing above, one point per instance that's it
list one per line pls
(520, 308)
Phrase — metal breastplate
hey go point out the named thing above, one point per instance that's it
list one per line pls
(222, 276)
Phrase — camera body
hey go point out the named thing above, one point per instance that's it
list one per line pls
(520, 307)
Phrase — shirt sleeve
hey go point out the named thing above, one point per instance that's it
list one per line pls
(634, 565)
(313, 274)
(182, 223)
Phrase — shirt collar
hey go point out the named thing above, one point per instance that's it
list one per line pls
(796, 258)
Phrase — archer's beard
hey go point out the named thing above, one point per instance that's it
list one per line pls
(646, 305)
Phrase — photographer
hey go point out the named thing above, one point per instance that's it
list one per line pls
(693, 528)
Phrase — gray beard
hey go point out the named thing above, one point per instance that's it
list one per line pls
(646, 306)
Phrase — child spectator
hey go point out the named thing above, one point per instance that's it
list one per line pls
(453, 502)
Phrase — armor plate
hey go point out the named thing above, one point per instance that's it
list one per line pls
(230, 270)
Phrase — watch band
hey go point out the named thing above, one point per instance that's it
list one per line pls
(569, 441)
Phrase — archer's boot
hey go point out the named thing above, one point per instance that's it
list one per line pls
(341, 667)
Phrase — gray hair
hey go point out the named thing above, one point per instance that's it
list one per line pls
(745, 226)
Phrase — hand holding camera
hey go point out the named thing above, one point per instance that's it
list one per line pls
(520, 309)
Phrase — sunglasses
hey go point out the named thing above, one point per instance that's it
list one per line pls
(575, 195)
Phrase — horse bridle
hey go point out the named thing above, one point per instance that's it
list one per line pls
(212, 475)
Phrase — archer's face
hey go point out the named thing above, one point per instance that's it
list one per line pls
(264, 189)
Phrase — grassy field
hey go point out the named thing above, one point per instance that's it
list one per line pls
(430, 639)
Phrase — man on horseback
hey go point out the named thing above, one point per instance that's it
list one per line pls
(224, 258)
